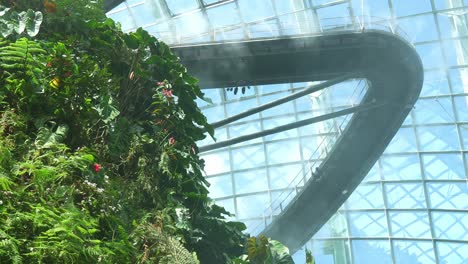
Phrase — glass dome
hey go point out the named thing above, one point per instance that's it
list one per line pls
(412, 207)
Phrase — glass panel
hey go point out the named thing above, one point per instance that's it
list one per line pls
(449, 253)
(213, 94)
(248, 157)
(223, 15)
(282, 152)
(334, 17)
(243, 130)
(371, 251)
(413, 252)
(434, 110)
(227, 35)
(148, 12)
(288, 6)
(255, 10)
(277, 90)
(281, 176)
(443, 166)
(451, 225)
(366, 196)
(254, 227)
(403, 141)
(220, 135)
(286, 108)
(378, 9)
(281, 199)
(419, 28)
(216, 163)
(435, 83)
(464, 136)
(459, 80)
(251, 181)
(312, 147)
(410, 225)
(214, 113)
(374, 174)
(266, 29)
(191, 24)
(453, 50)
(236, 107)
(448, 195)
(180, 6)
(368, 224)
(406, 8)
(335, 227)
(252, 205)
(401, 167)
(461, 106)
(331, 251)
(228, 204)
(405, 195)
(431, 55)
(124, 18)
(279, 121)
(220, 186)
(437, 138)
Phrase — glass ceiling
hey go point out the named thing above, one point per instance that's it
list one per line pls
(192, 21)
(412, 207)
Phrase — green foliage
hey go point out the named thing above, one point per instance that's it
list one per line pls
(98, 161)
(12, 22)
(309, 258)
(261, 250)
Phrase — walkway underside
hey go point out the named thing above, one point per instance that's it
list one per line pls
(389, 63)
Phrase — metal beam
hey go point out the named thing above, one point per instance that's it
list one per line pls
(290, 126)
(308, 90)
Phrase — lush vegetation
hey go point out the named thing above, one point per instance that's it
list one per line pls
(98, 161)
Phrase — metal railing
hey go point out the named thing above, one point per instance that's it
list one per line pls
(318, 156)
(275, 29)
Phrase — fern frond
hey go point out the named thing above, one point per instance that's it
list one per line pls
(20, 58)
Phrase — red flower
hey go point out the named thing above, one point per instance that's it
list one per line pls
(167, 93)
(96, 167)
(172, 141)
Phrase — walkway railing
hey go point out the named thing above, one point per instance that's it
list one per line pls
(324, 147)
(275, 29)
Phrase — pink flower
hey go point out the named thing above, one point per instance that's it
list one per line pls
(159, 83)
(167, 93)
(172, 141)
(96, 167)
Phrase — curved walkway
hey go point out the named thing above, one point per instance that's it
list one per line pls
(390, 64)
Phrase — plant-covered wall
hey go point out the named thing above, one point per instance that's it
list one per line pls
(98, 161)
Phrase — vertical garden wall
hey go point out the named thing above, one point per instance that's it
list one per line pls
(98, 160)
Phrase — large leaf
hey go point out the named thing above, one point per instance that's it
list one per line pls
(107, 110)
(46, 138)
(33, 21)
(6, 29)
(19, 21)
(3, 10)
(279, 253)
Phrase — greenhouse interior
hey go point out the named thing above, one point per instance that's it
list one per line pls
(234, 131)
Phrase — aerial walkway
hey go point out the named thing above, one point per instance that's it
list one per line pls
(395, 75)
